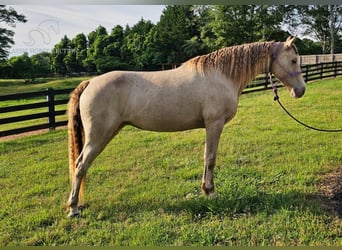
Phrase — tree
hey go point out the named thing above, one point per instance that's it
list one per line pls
(112, 52)
(176, 26)
(6, 69)
(22, 67)
(58, 54)
(41, 64)
(228, 25)
(116, 41)
(77, 54)
(335, 25)
(136, 42)
(97, 41)
(308, 47)
(10, 17)
(323, 23)
(234, 24)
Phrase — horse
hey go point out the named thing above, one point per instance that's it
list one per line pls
(201, 93)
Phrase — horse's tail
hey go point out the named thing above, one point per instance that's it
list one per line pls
(75, 133)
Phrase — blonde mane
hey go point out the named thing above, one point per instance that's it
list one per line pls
(239, 63)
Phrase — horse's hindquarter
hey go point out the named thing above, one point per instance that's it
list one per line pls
(171, 100)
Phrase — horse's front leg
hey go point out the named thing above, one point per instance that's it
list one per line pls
(213, 132)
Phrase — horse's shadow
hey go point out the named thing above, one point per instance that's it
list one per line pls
(224, 206)
(261, 202)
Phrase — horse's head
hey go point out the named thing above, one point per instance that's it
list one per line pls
(285, 66)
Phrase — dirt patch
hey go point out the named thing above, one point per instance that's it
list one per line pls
(331, 188)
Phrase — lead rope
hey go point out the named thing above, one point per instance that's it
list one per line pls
(276, 98)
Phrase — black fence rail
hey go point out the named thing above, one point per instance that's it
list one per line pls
(310, 73)
(46, 109)
(53, 99)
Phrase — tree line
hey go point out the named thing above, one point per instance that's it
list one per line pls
(182, 32)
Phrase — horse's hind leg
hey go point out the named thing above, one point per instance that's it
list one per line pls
(94, 144)
(82, 165)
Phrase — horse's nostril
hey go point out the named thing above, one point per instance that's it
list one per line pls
(300, 91)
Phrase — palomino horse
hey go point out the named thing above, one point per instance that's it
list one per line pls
(202, 93)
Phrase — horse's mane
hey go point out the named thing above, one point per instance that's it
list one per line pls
(240, 63)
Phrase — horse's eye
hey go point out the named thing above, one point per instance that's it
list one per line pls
(294, 61)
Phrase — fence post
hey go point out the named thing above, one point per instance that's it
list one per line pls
(50, 98)
(306, 73)
(321, 71)
(266, 80)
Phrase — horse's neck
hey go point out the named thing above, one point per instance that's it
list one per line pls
(262, 66)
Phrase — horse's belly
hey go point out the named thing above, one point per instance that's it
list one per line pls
(165, 123)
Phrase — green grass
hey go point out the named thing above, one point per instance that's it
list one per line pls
(144, 189)
(13, 86)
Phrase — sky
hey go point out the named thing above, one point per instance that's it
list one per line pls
(47, 24)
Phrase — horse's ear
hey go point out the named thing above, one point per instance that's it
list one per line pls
(289, 41)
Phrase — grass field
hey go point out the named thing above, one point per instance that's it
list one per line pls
(14, 86)
(144, 189)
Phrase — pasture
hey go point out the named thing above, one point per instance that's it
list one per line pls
(144, 189)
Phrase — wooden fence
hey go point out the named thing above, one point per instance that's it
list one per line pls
(315, 59)
(54, 101)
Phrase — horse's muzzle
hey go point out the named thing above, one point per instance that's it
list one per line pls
(298, 92)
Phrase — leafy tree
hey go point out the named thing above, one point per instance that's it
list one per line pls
(233, 25)
(228, 25)
(41, 64)
(97, 41)
(58, 54)
(196, 45)
(176, 26)
(112, 52)
(6, 69)
(10, 17)
(116, 41)
(136, 43)
(308, 47)
(77, 54)
(105, 51)
(323, 23)
(22, 67)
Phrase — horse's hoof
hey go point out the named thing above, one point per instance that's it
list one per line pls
(209, 192)
(212, 195)
(73, 215)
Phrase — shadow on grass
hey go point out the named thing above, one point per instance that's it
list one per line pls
(201, 207)
(262, 202)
